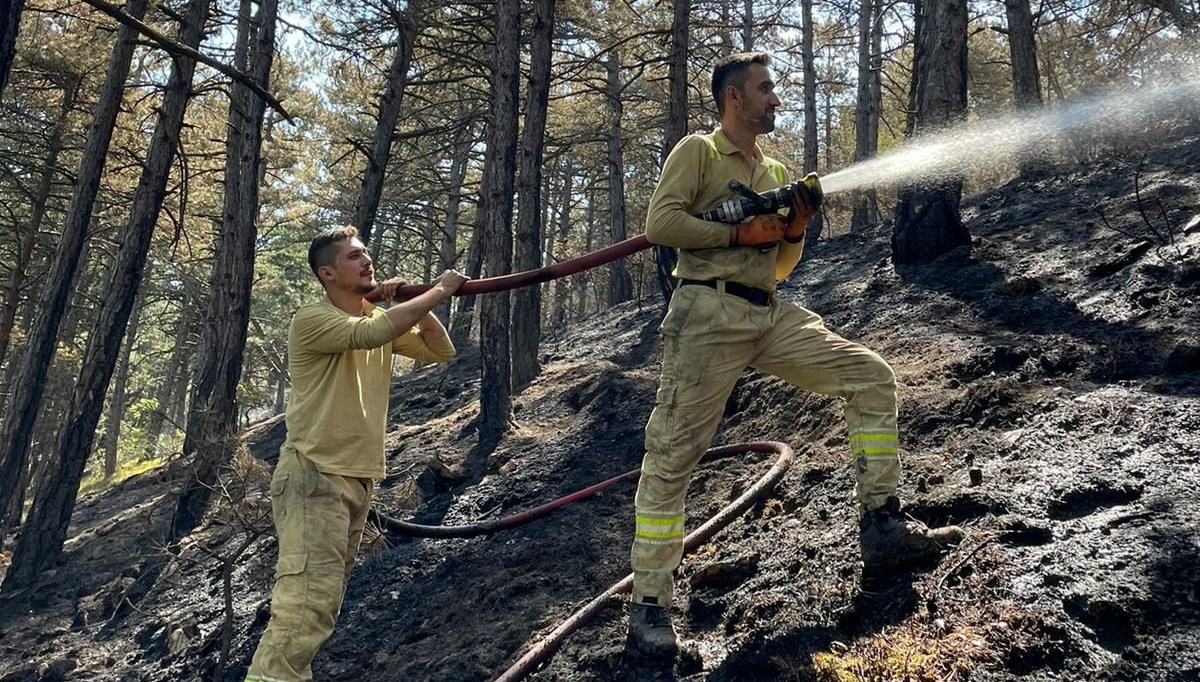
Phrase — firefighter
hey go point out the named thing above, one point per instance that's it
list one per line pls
(725, 316)
(340, 359)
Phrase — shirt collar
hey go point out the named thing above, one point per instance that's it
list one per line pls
(727, 148)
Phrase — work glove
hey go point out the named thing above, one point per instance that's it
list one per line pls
(806, 200)
(759, 230)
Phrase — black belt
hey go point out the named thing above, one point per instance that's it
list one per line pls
(755, 296)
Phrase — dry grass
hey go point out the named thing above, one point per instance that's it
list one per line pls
(906, 653)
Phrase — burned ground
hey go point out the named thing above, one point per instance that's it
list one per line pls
(1048, 384)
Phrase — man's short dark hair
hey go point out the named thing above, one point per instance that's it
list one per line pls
(732, 70)
(324, 249)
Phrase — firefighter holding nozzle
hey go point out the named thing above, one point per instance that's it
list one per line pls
(725, 316)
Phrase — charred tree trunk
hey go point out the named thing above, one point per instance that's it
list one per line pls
(495, 387)
(46, 528)
(866, 114)
(748, 26)
(620, 286)
(677, 124)
(928, 223)
(10, 25)
(811, 142)
(212, 418)
(527, 301)
(367, 206)
(30, 377)
(1022, 48)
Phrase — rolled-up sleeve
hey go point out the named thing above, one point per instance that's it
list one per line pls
(415, 345)
(668, 221)
(327, 330)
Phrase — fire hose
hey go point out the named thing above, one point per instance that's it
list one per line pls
(545, 648)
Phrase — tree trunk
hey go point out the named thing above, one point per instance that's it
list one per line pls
(865, 114)
(30, 377)
(448, 254)
(1022, 47)
(562, 284)
(495, 387)
(910, 119)
(46, 528)
(367, 206)
(41, 196)
(169, 392)
(527, 301)
(460, 331)
(811, 141)
(116, 399)
(748, 26)
(620, 286)
(928, 223)
(212, 418)
(10, 25)
(677, 123)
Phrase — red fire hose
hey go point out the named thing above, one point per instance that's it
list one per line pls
(548, 645)
(545, 274)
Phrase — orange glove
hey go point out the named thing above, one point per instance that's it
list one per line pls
(806, 200)
(759, 230)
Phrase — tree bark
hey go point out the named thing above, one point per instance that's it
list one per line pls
(928, 223)
(811, 140)
(174, 386)
(562, 284)
(38, 354)
(866, 114)
(495, 387)
(748, 26)
(677, 123)
(46, 528)
(1022, 48)
(212, 418)
(116, 399)
(527, 301)
(464, 320)
(620, 286)
(10, 25)
(367, 206)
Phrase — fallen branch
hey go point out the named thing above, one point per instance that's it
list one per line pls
(183, 50)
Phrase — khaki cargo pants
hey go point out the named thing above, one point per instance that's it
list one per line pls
(319, 519)
(709, 337)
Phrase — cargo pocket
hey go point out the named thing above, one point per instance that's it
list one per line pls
(682, 303)
(279, 484)
(291, 564)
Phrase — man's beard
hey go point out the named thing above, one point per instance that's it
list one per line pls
(364, 288)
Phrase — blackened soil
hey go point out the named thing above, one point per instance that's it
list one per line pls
(1049, 384)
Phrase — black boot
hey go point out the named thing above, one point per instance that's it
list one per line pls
(650, 630)
(890, 541)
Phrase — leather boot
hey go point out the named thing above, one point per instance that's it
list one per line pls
(650, 630)
(890, 541)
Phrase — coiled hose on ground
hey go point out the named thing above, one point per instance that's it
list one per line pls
(545, 648)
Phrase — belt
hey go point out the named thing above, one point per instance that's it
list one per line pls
(755, 296)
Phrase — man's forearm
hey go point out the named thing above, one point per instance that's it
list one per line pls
(404, 316)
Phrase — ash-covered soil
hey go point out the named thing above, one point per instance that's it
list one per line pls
(1049, 385)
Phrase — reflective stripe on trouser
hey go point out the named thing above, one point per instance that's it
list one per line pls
(319, 519)
(708, 339)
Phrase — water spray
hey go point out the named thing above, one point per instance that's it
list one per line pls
(951, 153)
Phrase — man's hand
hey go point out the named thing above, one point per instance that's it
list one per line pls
(806, 200)
(387, 288)
(450, 281)
(761, 229)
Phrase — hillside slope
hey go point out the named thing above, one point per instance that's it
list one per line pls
(1049, 387)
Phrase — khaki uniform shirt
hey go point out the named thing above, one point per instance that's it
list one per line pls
(341, 369)
(695, 178)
